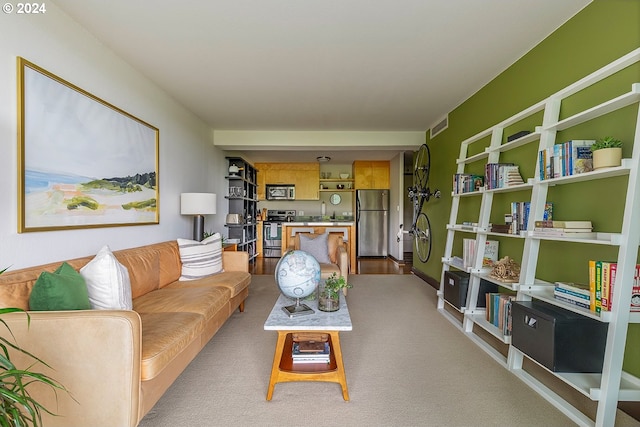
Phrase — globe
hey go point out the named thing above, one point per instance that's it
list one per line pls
(297, 274)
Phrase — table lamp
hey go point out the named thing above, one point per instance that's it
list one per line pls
(198, 205)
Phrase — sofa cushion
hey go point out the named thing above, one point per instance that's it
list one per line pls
(206, 301)
(164, 336)
(64, 289)
(235, 281)
(108, 282)
(200, 259)
(316, 247)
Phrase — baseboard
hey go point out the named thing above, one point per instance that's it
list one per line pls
(430, 280)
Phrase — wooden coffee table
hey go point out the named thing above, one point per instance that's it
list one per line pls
(283, 369)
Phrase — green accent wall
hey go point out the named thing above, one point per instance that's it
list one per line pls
(602, 32)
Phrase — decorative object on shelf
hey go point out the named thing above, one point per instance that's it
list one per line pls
(607, 152)
(335, 199)
(506, 270)
(198, 205)
(233, 170)
(340, 186)
(329, 292)
(297, 276)
(344, 176)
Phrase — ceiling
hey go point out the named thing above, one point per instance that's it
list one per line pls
(330, 65)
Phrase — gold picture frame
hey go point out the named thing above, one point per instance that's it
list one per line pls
(83, 163)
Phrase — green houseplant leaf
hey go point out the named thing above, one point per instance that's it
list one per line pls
(606, 142)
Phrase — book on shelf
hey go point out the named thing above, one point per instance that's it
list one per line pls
(572, 301)
(565, 159)
(564, 234)
(500, 228)
(581, 158)
(564, 224)
(578, 289)
(602, 280)
(561, 230)
(498, 311)
(490, 254)
(467, 183)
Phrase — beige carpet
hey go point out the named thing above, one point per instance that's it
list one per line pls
(406, 365)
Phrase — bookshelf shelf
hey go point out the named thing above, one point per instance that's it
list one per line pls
(613, 384)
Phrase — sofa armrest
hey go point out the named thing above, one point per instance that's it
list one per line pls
(94, 354)
(235, 261)
(342, 259)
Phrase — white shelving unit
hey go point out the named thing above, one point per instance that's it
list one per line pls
(613, 384)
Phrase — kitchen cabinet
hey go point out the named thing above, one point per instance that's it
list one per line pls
(371, 174)
(305, 176)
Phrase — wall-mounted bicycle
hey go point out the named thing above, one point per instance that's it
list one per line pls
(421, 193)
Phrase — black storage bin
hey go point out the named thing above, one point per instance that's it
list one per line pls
(456, 286)
(559, 339)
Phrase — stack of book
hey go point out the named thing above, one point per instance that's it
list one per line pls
(500, 175)
(501, 228)
(573, 293)
(311, 352)
(568, 229)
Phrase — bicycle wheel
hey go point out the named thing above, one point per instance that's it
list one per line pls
(422, 237)
(421, 168)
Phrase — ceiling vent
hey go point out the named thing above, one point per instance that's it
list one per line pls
(440, 126)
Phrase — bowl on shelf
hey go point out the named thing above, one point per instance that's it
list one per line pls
(344, 175)
(340, 186)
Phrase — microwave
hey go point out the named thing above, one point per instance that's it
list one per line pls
(281, 192)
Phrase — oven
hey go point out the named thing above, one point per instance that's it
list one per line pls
(272, 232)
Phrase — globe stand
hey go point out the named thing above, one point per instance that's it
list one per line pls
(297, 309)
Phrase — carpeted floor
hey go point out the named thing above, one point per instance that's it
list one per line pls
(406, 365)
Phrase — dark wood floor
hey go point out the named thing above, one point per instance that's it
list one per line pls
(365, 266)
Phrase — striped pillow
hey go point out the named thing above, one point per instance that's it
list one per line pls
(200, 259)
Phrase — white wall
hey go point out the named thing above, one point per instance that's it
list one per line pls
(396, 206)
(188, 159)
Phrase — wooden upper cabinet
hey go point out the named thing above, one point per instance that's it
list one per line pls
(305, 176)
(370, 174)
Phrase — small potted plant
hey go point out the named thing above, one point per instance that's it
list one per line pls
(607, 152)
(329, 292)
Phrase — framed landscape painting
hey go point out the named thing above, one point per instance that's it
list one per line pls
(82, 161)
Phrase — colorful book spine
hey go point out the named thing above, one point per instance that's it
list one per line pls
(592, 285)
(573, 302)
(598, 286)
(605, 285)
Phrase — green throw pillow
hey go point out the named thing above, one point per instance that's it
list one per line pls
(64, 289)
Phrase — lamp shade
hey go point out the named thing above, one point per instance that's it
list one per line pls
(197, 203)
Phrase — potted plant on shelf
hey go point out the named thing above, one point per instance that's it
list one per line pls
(329, 292)
(607, 152)
(17, 406)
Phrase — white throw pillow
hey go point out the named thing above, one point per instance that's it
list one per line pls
(200, 259)
(108, 282)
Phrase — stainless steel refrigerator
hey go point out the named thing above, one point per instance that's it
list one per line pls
(372, 222)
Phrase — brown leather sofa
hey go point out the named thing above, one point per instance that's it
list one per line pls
(117, 364)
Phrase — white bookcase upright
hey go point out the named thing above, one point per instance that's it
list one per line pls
(613, 384)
